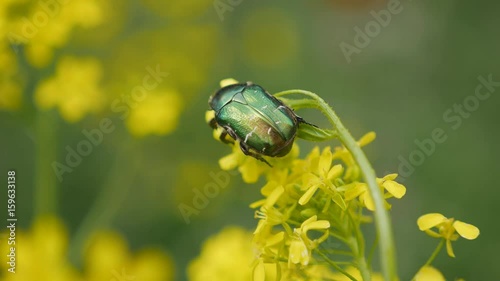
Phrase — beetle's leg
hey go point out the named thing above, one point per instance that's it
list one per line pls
(212, 123)
(223, 139)
(247, 151)
(301, 120)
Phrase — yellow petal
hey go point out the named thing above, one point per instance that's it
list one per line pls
(250, 170)
(274, 196)
(335, 172)
(367, 138)
(304, 199)
(467, 231)
(337, 198)
(368, 201)
(229, 162)
(258, 203)
(298, 252)
(394, 188)
(325, 161)
(355, 191)
(209, 115)
(310, 179)
(309, 220)
(227, 82)
(430, 220)
(259, 273)
(321, 224)
(390, 177)
(429, 273)
(449, 249)
(275, 239)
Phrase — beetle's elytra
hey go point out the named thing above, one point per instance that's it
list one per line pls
(261, 123)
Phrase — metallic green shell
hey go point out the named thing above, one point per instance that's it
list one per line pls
(258, 119)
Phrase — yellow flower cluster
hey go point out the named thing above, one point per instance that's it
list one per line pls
(307, 202)
(41, 255)
(43, 26)
(75, 90)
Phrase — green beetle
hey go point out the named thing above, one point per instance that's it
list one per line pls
(261, 123)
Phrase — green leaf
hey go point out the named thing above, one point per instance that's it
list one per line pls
(312, 133)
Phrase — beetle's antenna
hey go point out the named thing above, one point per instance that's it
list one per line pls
(301, 120)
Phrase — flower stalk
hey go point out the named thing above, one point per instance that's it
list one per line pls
(382, 220)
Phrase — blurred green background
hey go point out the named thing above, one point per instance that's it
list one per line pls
(74, 71)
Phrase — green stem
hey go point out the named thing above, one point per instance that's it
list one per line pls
(45, 192)
(382, 221)
(433, 256)
(360, 255)
(436, 252)
(106, 206)
(372, 251)
(334, 265)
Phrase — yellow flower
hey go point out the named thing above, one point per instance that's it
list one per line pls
(107, 256)
(39, 252)
(321, 175)
(301, 245)
(268, 214)
(50, 28)
(250, 168)
(74, 90)
(10, 86)
(42, 255)
(225, 256)
(447, 229)
(157, 114)
(429, 273)
(387, 183)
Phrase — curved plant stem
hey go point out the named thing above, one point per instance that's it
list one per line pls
(45, 193)
(382, 221)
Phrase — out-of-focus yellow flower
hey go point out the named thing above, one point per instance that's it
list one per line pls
(225, 256)
(45, 27)
(74, 90)
(429, 273)
(107, 256)
(269, 38)
(354, 272)
(448, 229)
(10, 86)
(157, 114)
(41, 254)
